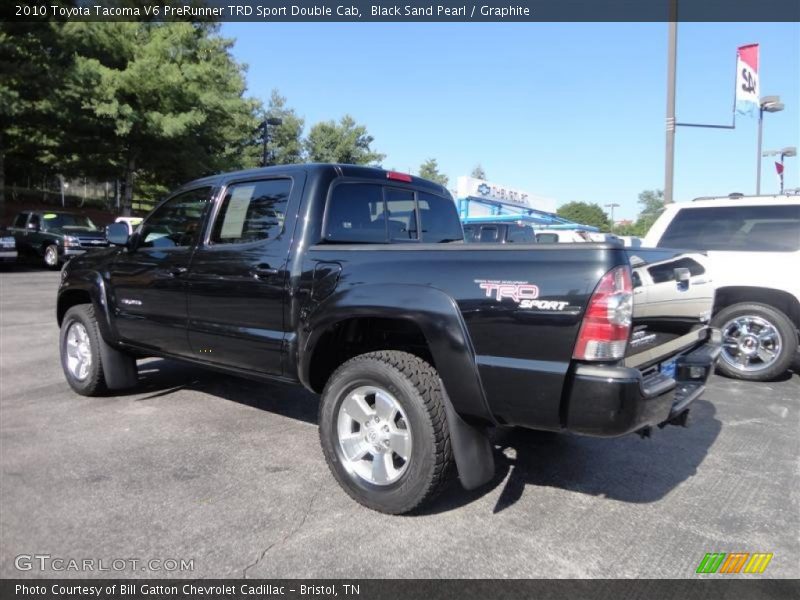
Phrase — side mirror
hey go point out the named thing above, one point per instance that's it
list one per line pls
(33, 227)
(117, 234)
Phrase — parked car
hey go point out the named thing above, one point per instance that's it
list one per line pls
(631, 241)
(54, 237)
(131, 222)
(8, 247)
(562, 236)
(754, 246)
(355, 282)
(499, 233)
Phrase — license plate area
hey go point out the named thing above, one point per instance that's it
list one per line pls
(668, 368)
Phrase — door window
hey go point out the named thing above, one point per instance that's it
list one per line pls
(176, 223)
(252, 211)
(21, 219)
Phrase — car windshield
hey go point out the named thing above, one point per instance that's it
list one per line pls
(67, 222)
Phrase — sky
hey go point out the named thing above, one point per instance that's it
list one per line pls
(569, 111)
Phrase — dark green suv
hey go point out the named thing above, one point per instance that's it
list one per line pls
(55, 237)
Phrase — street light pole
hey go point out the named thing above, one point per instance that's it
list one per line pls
(669, 160)
(612, 206)
(273, 121)
(767, 104)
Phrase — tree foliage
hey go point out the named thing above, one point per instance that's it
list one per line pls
(342, 142)
(430, 170)
(286, 139)
(584, 213)
(151, 104)
(652, 205)
(478, 172)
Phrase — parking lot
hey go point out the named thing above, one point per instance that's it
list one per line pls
(229, 473)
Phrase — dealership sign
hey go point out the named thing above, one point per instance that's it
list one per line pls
(467, 187)
(747, 88)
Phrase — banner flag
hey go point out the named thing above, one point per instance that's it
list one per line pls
(747, 88)
(779, 170)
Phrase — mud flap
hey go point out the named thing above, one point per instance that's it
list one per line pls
(119, 368)
(471, 449)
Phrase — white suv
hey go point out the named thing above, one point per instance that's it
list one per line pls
(753, 244)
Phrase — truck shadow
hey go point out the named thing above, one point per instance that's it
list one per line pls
(159, 378)
(627, 469)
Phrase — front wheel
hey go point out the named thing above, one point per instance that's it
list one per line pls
(51, 256)
(759, 342)
(384, 432)
(90, 365)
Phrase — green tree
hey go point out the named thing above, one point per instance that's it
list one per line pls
(343, 142)
(286, 139)
(33, 64)
(430, 170)
(478, 172)
(584, 213)
(165, 101)
(652, 203)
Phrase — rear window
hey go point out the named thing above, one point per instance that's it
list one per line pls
(736, 228)
(374, 213)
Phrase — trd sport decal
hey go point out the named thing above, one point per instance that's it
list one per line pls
(523, 293)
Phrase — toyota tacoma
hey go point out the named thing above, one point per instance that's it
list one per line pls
(356, 283)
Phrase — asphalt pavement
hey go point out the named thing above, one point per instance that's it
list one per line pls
(228, 474)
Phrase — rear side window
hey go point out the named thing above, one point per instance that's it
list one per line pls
(252, 211)
(519, 234)
(374, 213)
(737, 228)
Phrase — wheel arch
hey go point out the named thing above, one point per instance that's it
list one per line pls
(418, 319)
(777, 299)
(86, 288)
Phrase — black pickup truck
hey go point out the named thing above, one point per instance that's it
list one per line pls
(356, 282)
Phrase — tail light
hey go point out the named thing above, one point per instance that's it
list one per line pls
(606, 325)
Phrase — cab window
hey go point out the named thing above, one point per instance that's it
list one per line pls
(176, 223)
(375, 213)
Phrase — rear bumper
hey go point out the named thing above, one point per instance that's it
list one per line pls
(611, 401)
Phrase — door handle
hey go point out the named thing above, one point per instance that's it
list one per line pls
(263, 272)
(177, 271)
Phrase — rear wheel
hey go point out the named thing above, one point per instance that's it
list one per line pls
(51, 256)
(384, 432)
(759, 342)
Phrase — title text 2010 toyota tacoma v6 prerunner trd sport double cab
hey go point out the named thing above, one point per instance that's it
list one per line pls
(356, 283)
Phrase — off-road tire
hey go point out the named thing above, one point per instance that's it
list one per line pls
(417, 387)
(95, 383)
